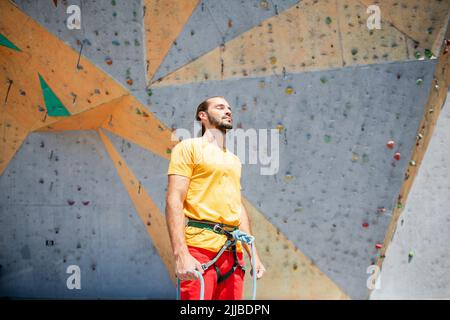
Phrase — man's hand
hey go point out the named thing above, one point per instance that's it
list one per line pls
(259, 267)
(185, 266)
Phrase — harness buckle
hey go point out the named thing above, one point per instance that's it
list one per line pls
(217, 228)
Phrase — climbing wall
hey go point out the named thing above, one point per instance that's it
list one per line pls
(86, 136)
(417, 261)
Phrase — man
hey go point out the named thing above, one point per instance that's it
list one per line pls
(204, 190)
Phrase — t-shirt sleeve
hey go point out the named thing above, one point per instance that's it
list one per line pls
(181, 160)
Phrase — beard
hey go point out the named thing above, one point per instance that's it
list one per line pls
(220, 124)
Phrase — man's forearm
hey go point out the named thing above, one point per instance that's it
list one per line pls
(176, 223)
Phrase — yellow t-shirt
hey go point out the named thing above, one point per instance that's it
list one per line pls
(214, 192)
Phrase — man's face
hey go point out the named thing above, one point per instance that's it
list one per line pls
(219, 114)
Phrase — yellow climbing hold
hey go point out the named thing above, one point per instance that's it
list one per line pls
(280, 127)
(273, 60)
(289, 90)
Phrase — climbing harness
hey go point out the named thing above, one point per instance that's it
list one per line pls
(233, 235)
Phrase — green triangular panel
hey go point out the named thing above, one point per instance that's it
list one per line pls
(55, 108)
(6, 43)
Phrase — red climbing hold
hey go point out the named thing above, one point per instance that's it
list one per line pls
(397, 156)
(378, 246)
(365, 225)
(390, 144)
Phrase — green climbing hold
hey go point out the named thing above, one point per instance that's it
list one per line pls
(411, 254)
(418, 55)
(149, 92)
(323, 80)
(327, 138)
(428, 53)
(354, 51)
(113, 2)
(365, 158)
(419, 81)
(6, 43)
(328, 20)
(55, 108)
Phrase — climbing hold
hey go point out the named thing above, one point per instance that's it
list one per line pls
(168, 151)
(327, 138)
(230, 23)
(78, 188)
(419, 136)
(378, 246)
(273, 60)
(365, 225)
(419, 81)
(115, 42)
(365, 158)
(264, 4)
(323, 80)
(354, 51)
(288, 178)
(397, 156)
(381, 209)
(355, 157)
(138, 111)
(428, 54)
(412, 163)
(113, 2)
(149, 92)
(418, 55)
(289, 90)
(108, 61)
(398, 76)
(129, 81)
(327, 20)
(41, 181)
(390, 144)
(70, 202)
(399, 205)
(85, 203)
(280, 127)
(262, 84)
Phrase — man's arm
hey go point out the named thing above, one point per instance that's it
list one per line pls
(186, 264)
(246, 227)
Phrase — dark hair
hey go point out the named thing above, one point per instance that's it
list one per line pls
(203, 106)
